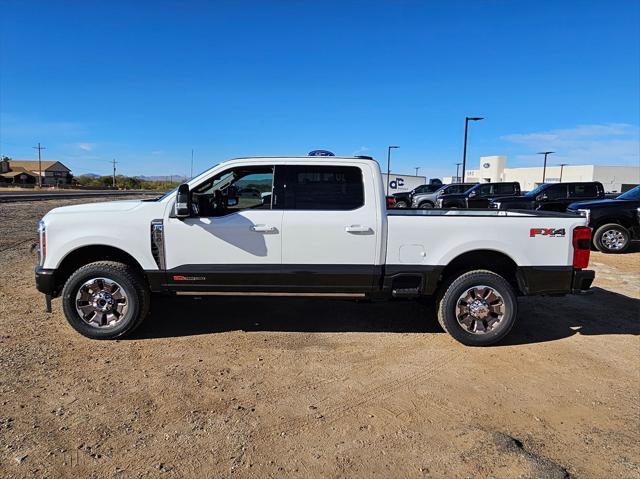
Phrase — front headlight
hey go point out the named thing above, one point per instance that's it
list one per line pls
(586, 214)
(42, 242)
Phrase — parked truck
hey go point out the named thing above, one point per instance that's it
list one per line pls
(324, 229)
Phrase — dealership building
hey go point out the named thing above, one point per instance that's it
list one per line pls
(615, 179)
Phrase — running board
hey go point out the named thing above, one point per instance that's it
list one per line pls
(243, 293)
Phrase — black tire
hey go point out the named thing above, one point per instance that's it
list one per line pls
(401, 204)
(604, 241)
(455, 288)
(135, 288)
(426, 205)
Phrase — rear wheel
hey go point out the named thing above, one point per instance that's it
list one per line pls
(426, 205)
(612, 238)
(105, 300)
(478, 308)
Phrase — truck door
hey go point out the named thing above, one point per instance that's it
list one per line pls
(553, 198)
(330, 228)
(232, 241)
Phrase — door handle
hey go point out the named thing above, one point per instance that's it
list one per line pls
(264, 229)
(358, 229)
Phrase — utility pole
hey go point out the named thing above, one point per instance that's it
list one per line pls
(544, 168)
(464, 153)
(39, 163)
(458, 172)
(562, 165)
(114, 172)
(191, 162)
(389, 148)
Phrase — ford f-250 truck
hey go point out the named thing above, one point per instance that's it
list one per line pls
(318, 226)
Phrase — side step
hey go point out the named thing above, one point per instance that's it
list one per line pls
(405, 292)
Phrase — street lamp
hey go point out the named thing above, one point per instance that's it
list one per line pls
(466, 127)
(458, 172)
(544, 168)
(417, 169)
(562, 165)
(389, 165)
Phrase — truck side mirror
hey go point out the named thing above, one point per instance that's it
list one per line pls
(183, 201)
(542, 197)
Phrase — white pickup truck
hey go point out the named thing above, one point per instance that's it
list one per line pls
(304, 225)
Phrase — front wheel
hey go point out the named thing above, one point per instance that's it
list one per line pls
(478, 308)
(612, 238)
(426, 205)
(105, 300)
(401, 204)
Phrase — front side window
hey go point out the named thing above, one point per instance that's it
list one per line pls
(483, 190)
(322, 187)
(556, 192)
(234, 190)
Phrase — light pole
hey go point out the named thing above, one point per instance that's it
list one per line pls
(562, 165)
(464, 153)
(417, 169)
(389, 165)
(544, 168)
(458, 173)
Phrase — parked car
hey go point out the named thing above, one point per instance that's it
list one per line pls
(326, 231)
(479, 196)
(552, 196)
(615, 222)
(403, 200)
(429, 200)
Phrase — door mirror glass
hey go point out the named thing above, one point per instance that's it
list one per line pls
(183, 201)
(542, 197)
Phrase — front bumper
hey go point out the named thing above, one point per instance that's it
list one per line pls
(582, 279)
(46, 281)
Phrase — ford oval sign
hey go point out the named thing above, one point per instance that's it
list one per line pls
(321, 153)
(486, 165)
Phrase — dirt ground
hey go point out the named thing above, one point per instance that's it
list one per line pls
(293, 387)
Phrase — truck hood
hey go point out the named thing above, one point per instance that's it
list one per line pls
(600, 204)
(102, 207)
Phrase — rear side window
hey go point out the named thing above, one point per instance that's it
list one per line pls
(504, 188)
(322, 188)
(583, 190)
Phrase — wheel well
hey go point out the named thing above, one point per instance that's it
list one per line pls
(618, 221)
(89, 254)
(490, 260)
(426, 201)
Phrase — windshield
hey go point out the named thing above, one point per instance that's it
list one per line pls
(537, 190)
(632, 194)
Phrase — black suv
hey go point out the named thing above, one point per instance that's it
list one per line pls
(403, 200)
(552, 197)
(615, 222)
(479, 196)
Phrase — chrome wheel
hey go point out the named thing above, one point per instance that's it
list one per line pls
(480, 309)
(614, 239)
(101, 303)
(401, 204)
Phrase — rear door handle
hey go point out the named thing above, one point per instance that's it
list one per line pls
(357, 229)
(264, 229)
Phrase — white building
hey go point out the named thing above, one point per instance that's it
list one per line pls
(614, 178)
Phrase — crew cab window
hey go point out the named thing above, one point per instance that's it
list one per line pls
(234, 190)
(456, 189)
(504, 188)
(322, 188)
(556, 192)
(583, 190)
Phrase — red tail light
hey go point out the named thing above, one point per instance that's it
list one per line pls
(391, 202)
(581, 246)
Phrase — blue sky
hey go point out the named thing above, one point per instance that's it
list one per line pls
(146, 82)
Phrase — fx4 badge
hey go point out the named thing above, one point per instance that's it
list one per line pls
(533, 232)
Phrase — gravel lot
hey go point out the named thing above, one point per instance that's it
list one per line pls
(292, 387)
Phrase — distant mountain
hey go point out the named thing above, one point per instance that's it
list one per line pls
(162, 178)
(90, 175)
